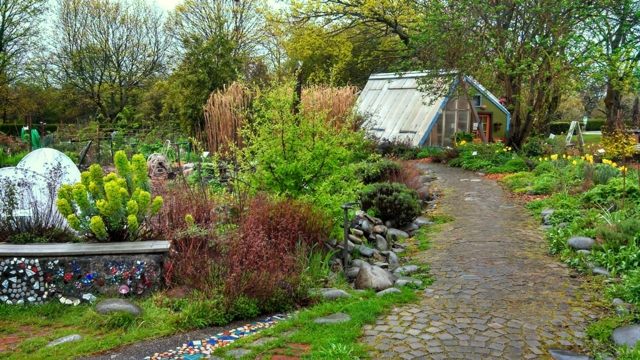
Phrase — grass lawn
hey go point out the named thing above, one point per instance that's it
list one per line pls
(35, 326)
(322, 341)
(589, 139)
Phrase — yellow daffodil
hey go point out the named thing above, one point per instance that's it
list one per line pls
(574, 162)
(554, 157)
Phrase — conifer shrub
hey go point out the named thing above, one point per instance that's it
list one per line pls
(115, 207)
(391, 201)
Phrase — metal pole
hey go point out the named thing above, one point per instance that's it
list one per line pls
(345, 251)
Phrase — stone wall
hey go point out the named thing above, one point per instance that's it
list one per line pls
(77, 278)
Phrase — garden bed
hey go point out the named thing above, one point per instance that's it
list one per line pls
(73, 273)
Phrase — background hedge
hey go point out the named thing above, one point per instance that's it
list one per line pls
(14, 129)
(563, 127)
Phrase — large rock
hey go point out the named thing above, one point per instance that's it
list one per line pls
(581, 243)
(546, 216)
(374, 277)
(365, 250)
(393, 260)
(118, 305)
(421, 221)
(387, 291)
(355, 239)
(380, 229)
(557, 354)
(352, 272)
(381, 243)
(333, 294)
(405, 270)
(396, 235)
(366, 226)
(404, 281)
(336, 318)
(64, 339)
(627, 335)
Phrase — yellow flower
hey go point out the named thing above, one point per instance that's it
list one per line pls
(614, 164)
(575, 162)
(554, 157)
(539, 159)
(623, 169)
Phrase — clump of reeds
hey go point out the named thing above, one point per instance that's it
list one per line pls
(334, 103)
(224, 115)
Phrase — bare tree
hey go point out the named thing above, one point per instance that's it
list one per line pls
(107, 49)
(237, 20)
(19, 28)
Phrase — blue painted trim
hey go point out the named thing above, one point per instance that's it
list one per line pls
(492, 99)
(434, 120)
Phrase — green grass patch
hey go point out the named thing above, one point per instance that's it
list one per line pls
(334, 341)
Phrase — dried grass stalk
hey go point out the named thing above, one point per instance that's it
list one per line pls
(224, 115)
(336, 103)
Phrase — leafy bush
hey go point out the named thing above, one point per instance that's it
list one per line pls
(391, 201)
(273, 232)
(7, 159)
(115, 207)
(618, 145)
(398, 149)
(511, 166)
(536, 146)
(491, 158)
(612, 192)
(429, 151)
(629, 288)
(379, 169)
(301, 156)
(602, 173)
(620, 233)
(408, 175)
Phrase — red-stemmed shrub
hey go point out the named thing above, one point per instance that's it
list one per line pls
(409, 174)
(194, 244)
(262, 258)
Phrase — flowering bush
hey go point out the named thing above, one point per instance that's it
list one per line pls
(115, 207)
(617, 145)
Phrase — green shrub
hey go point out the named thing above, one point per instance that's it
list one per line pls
(484, 157)
(376, 171)
(429, 151)
(11, 159)
(244, 308)
(391, 201)
(620, 233)
(629, 288)
(612, 192)
(511, 166)
(559, 127)
(536, 146)
(115, 207)
(602, 173)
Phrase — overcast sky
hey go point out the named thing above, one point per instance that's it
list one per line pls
(167, 4)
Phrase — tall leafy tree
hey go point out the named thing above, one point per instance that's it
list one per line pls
(522, 49)
(612, 39)
(108, 49)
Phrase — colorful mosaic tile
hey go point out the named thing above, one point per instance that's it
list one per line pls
(202, 349)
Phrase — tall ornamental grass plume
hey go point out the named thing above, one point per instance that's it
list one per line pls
(115, 207)
(335, 103)
(225, 113)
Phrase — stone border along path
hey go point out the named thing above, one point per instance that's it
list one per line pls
(497, 293)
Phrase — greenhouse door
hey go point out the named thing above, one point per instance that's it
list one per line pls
(485, 120)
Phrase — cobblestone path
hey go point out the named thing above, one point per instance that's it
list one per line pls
(497, 294)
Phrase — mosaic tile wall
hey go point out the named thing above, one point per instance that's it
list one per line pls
(72, 280)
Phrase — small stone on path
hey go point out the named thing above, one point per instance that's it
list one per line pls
(567, 355)
(404, 281)
(627, 335)
(422, 221)
(336, 318)
(600, 271)
(581, 243)
(65, 339)
(388, 291)
(262, 341)
(118, 305)
(238, 353)
(396, 235)
(406, 270)
(333, 294)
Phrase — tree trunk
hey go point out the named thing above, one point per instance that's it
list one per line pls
(635, 117)
(613, 105)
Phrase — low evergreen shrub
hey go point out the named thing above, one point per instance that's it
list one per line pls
(391, 201)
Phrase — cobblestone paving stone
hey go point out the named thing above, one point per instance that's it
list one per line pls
(497, 294)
